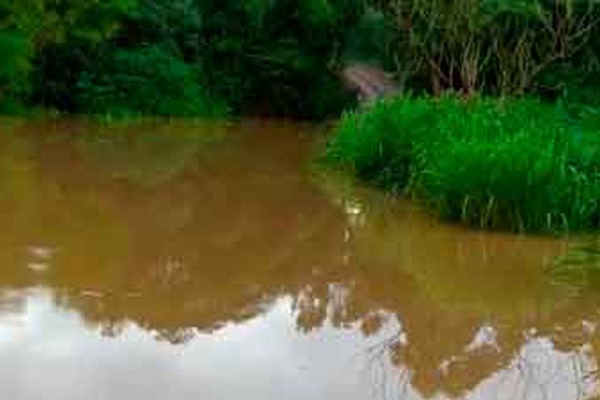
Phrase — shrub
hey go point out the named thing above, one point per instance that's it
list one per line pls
(275, 57)
(519, 165)
(257, 57)
(492, 46)
(14, 68)
(147, 80)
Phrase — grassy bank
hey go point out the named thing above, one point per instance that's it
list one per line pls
(519, 165)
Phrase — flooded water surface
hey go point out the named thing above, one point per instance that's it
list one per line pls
(187, 260)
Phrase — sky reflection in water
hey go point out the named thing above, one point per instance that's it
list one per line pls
(183, 260)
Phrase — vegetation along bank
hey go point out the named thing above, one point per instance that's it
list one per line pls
(513, 164)
(494, 122)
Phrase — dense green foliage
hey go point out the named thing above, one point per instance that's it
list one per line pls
(146, 80)
(276, 57)
(30, 29)
(14, 68)
(515, 164)
(282, 57)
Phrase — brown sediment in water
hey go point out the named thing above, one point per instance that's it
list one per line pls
(221, 269)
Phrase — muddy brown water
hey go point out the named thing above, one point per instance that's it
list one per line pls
(189, 260)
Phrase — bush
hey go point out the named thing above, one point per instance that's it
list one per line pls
(492, 46)
(147, 80)
(14, 68)
(518, 165)
(275, 57)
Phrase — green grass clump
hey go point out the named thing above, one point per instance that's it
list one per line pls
(377, 146)
(518, 165)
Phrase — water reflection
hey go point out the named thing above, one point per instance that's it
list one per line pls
(204, 261)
